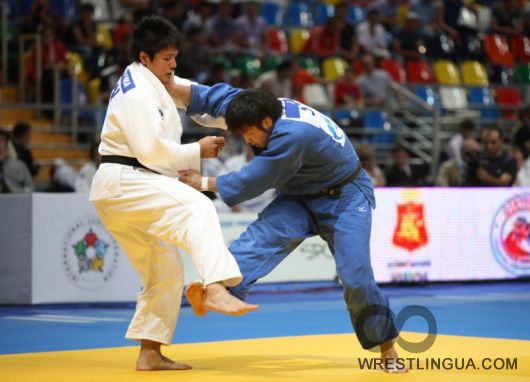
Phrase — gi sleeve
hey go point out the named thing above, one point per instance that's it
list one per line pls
(145, 138)
(275, 165)
(211, 100)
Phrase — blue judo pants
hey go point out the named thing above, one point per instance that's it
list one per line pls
(344, 223)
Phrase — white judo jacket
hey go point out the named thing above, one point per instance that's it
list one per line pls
(142, 122)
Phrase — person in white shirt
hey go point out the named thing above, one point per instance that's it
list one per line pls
(146, 208)
(371, 35)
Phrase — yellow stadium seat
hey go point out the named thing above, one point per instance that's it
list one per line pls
(104, 36)
(474, 74)
(446, 73)
(333, 68)
(298, 39)
(76, 66)
(93, 90)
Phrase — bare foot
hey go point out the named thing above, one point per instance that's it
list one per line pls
(195, 294)
(151, 359)
(216, 299)
(390, 357)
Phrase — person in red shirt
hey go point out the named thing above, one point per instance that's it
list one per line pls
(347, 93)
(53, 55)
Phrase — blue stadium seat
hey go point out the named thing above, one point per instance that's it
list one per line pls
(378, 121)
(323, 12)
(299, 15)
(355, 14)
(482, 98)
(272, 13)
(427, 93)
(65, 97)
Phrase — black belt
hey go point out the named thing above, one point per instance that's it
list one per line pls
(127, 161)
(334, 191)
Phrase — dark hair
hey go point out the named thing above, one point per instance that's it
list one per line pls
(494, 128)
(467, 124)
(20, 129)
(250, 108)
(152, 34)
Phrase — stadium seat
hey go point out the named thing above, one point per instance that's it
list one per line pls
(333, 68)
(355, 14)
(474, 74)
(323, 12)
(497, 50)
(357, 65)
(310, 64)
(299, 15)
(522, 73)
(271, 62)
(316, 95)
(509, 101)
(453, 97)
(443, 46)
(426, 93)
(76, 66)
(378, 121)
(66, 99)
(277, 41)
(298, 38)
(395, 69)
(272, 13)
(104, 37)
(420, 72)
(249, 65)
(446, 73)
(482, 99)
(521, 48)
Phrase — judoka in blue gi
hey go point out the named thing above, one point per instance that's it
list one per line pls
(322, 190)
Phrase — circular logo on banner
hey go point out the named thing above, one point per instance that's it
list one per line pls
(510, 235)
(90, 255)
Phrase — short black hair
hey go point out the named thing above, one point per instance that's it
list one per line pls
(467, 124)
(250, 108)
(494, 128)
(152, 34)
(20, 129)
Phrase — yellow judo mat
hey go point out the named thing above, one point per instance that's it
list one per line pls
(322, 358)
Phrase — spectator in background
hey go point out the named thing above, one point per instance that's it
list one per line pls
(452, 171)
(371, 35)
(198, 17)
(53, 56)
(403, 174)
(366, 155)
(83, 39)
(506, 18)
(138, 8)
(324, 40)
(66, 179)
(375, 84)
(409, 41)
(494, 167)
(40, 15)
(300, 79)
(221, 27)
(14, 176)
(389, 11)
(195, 54)
(125, 27)
(523, 175)
(216, 74)
(349, 47)
(347, 93)
(465, 131)
(21, 139)
(251, 27)
(521, 137)
(278, 81)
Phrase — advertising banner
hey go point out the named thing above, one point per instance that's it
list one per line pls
(418, 235)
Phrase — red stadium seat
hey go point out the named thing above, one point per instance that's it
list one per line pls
(509, 101)
(521, 48)
(420, 72)
(277, 41)
(395, 69)
(497, 50)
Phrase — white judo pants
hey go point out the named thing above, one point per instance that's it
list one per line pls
(152, 212)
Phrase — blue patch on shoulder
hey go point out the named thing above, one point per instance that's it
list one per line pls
(126, 82)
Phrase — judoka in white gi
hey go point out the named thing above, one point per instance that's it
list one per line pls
(140, 200)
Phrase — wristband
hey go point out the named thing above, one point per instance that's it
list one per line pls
(204, 183)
